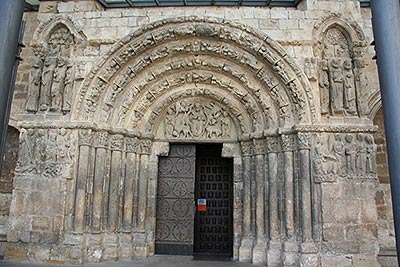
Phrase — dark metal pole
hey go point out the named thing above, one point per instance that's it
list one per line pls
(386, 26)
(11, 12)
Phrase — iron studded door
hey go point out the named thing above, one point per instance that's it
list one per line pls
(175, 201)
(214, 184)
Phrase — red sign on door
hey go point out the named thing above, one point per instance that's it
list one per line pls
(201, 204)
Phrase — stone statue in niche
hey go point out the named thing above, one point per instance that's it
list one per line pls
(324, 86)
(361, 155)
(339, 153)
(52, 78)
(349, 87)
(336, 82)
(187, 119)
(35, 81)
(340, 84)
(310, 68)
(324, 163)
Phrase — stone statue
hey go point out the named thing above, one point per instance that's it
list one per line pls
(35, 80)
(324, 163)
(310, 68)
(339, 153)
(350, 152)
(58, 84)
(63, 146)
(69, 83)
(349, 88)
(361, 155)
(371, 155)
(26, 149)
(324, 86)
(336, 82)
(362, 91)
(47, 82)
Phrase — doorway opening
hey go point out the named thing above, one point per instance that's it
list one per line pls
(195, 202)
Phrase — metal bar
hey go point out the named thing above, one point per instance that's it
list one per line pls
(10, 24)
(386, 27)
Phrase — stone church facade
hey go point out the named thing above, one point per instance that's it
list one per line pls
(116, 107)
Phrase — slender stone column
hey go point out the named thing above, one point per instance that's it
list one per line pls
(303, 143)
(117, 143)
(260, 248)
(145, 147)
(289, 246)
(129, 188)
(246, 247)
(274, 252)
(101, 145)
(85, 141)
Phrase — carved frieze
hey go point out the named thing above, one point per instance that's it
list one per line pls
(345, 156)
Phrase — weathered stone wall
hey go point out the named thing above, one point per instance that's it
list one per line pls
(6, 182)
(91, 73)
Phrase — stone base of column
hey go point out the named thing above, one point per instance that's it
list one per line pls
(246, 250)
(140, 246)
(274, 254)
(260, 253)
(290, 254)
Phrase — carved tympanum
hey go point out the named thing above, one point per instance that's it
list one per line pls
(198, 120)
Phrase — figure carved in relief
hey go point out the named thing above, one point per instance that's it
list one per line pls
(336, 79)
(362, 87)
(324, 162)
(339, 153)
(196, 120)
(343, 76)
(361, 155)
(26, 149)
(310, 68)
(350, 152)
(371, 155)
(63, 146)
(50, 80)
(35, 82)
(349, 87)
(324, 86)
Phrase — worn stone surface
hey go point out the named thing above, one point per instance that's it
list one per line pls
(290, 92)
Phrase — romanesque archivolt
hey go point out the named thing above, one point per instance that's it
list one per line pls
(52, 74)
(346, 155)
(342, 82)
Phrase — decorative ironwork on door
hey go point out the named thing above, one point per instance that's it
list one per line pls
(175, 196)
(214, 187)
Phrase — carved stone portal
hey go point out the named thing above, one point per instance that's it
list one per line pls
(196, 119)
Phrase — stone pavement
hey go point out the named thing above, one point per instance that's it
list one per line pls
(162, 261)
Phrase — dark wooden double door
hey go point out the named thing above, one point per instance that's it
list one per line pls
(189, 176)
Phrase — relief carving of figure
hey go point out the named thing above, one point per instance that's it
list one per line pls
(310, 68)
(361, 155)
(69, 83)
(362, 87)
(324, 86)
(63, 146)
(188, 119)
(26, 150)
(35, 81)
(47, 82)
(349, 88)
(324, 162)
(336, 81)
(351, 153)
(58, 84)
(339, 153)
(371, 155)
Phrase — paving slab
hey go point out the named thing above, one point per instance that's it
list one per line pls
(158, 260)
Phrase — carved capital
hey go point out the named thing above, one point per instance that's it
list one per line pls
(259, 146)
(131, 144)
(117, 142)
(101, 139)
(287, 142)
(303, 141)
(85, 137)
(272, 145)
(145, 146)
(247, 148)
